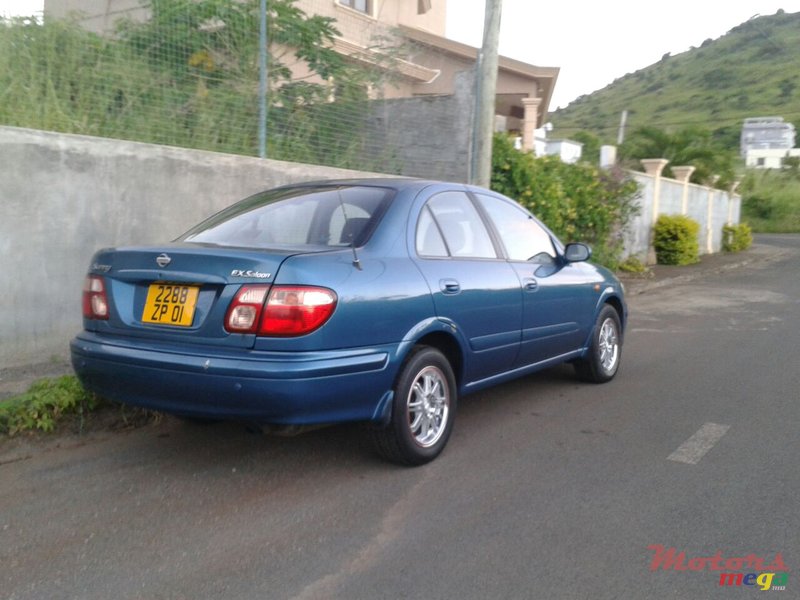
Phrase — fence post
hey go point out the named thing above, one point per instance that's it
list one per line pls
(710, 215)
(654, 167)
(730, 201)
(682, 174)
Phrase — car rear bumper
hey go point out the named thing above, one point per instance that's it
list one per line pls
(297, 388)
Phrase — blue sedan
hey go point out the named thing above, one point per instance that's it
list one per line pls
(375, 300)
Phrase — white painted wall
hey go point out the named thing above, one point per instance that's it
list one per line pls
(769, 158)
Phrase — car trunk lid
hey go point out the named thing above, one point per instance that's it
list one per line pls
(180, 292)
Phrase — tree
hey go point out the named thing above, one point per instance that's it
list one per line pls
(189, 76)
(218, 40)
(688, 146)
(787, 87)
(577, 201)
(209, 51)
(591, 146)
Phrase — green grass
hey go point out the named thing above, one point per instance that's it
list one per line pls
(633, 266)
(46, 403)
(771, 201)
(771, 226)
(753, 70)
(58, 77)
(53, 404)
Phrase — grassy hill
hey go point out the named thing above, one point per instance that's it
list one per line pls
(752, 71)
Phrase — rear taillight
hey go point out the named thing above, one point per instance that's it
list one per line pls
(296, 310)
(245, 311)
(282, 311)
(95, 301)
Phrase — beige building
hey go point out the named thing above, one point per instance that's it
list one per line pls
(430, 68)
(523, 90)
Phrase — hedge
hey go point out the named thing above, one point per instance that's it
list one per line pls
(675, 240)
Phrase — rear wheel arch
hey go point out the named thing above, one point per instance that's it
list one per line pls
(422, 409)
(447, 345)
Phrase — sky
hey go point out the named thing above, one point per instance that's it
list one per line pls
(592, 42)
(595, 42)
(13, 8)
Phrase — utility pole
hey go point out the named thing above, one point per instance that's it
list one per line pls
(487, 87)
(623, 120)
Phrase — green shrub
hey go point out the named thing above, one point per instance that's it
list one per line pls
(45, 402)
(736, 238)
(675, 240)
(760, 206)
(578, 202)
(634, 265)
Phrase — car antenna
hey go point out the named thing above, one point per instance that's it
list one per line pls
(356, 262)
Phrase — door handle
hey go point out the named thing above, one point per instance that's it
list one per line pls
(449, 286)
(531, 285)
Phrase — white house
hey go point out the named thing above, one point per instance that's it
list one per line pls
(568, 151)
(769, 158)
(766, 133)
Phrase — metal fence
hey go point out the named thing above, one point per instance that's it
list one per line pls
(192, 73)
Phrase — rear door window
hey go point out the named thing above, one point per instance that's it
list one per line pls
(324, 216)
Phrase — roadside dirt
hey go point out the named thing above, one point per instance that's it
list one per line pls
(665, 275)
(74, 431)
(16, 380)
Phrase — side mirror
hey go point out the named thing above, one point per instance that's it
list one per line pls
(577, 253)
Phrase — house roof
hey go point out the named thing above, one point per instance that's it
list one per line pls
(545, 76)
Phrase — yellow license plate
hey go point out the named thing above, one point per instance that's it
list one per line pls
(169, 304)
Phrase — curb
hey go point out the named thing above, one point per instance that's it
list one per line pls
(714, 264)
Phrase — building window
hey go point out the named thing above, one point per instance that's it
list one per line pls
(761, 162)
(364, 6)
(423, 6)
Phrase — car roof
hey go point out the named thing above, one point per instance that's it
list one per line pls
(396, 183)
(408, 184)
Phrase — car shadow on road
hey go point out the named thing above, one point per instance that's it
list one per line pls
(179, 445)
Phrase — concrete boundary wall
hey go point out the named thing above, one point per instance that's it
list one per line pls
(65, 196)
(710, 207)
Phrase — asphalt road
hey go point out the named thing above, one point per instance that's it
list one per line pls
(549, 488)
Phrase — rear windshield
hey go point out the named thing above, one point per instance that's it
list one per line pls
(322, 216)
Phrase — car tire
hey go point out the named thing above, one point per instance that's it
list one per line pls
(605, 350)
(423, 410)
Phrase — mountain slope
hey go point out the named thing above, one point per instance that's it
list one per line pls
(752, 71)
